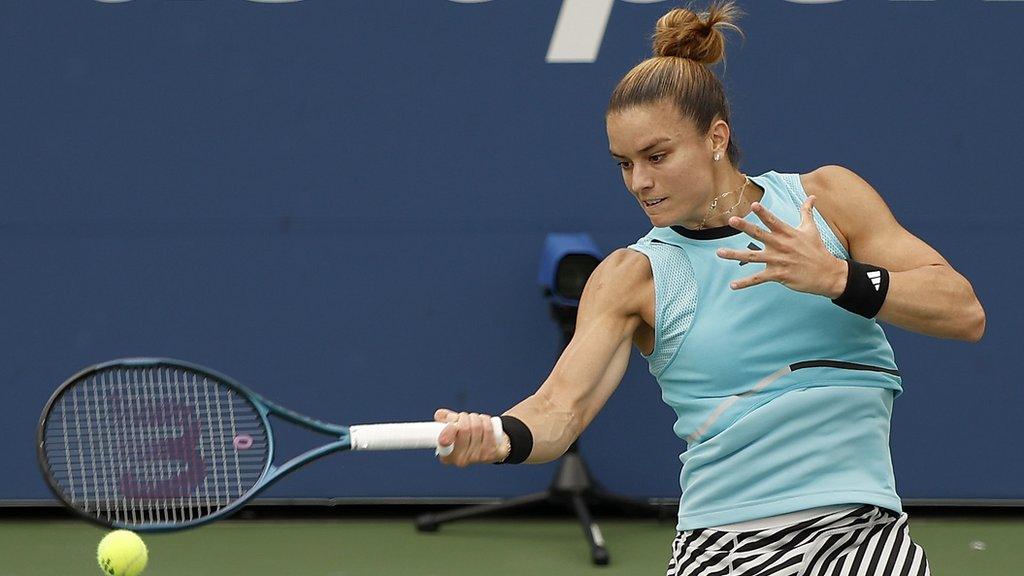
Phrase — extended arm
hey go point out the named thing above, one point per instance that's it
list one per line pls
(584, 377)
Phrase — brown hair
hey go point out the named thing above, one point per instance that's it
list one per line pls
(685, 45)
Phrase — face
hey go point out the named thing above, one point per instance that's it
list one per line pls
(666, 164)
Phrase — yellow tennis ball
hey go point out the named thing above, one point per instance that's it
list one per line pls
(122, 553)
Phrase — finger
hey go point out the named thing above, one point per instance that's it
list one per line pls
(448, 434)
(462, 440)
(742, 255)
(751, 229)
(807, 212)
(749, 281)
(481, 439)
(468, 441)
(466, 436)
(446, 439)
(769, 218)
(441, 415)
(488, 444)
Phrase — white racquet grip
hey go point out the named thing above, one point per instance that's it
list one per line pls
(407, 436)
(403, 436)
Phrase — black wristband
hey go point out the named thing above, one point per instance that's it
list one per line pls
(866, 287)
(520, 438)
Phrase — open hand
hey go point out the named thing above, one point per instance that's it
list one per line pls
(794, 257)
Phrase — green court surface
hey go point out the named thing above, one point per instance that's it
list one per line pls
(356, 547)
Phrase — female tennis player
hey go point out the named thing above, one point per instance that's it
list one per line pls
(755, 300)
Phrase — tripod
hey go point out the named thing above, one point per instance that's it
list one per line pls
(573, 485)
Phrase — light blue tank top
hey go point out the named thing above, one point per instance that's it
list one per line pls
(783, 398)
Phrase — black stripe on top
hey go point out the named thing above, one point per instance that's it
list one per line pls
(706, 233)
(840, 364)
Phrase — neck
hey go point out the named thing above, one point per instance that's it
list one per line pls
(727, 188)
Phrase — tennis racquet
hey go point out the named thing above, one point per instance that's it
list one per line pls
(153, 444)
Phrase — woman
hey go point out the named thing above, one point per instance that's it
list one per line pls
(754, 301)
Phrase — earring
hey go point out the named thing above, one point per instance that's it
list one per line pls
(717, 156)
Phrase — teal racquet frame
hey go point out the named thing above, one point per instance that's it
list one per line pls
(425, 436)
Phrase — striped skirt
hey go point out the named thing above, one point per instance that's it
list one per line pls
(867, 541)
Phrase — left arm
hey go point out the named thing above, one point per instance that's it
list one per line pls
(926, 295)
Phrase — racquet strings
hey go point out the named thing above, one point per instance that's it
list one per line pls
(153, 445)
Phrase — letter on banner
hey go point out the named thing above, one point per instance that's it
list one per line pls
(580, 29)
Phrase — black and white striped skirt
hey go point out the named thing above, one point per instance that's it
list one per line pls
(866, 541)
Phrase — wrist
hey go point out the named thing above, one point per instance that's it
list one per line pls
(519, 440)
(837, 279)
(866, 288)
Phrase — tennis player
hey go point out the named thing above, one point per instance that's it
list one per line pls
(755, 300)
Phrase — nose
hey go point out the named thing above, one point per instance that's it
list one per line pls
(640, 181)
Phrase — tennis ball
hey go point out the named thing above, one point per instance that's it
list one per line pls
(122, 553)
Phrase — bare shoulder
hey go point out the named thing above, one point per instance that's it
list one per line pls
(830, 177)
(622, 271)
(867, 225)
(842, 188)
(623, 281)
(846, 201)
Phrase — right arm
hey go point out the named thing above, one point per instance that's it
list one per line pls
(616, 303)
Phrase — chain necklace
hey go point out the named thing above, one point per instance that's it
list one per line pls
(714, 202)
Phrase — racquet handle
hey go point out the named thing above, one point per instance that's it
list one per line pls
(407, 436)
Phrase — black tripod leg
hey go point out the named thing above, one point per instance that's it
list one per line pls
(598, 553)
(431, 522)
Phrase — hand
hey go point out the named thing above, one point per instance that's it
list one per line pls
(473, 437)
(794, 257)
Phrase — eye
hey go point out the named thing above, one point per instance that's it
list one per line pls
(656, 158)
(625, 164)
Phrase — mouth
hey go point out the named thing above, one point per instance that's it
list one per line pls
(652, 202)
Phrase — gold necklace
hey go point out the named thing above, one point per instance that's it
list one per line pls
(743, 190)
(714, 202)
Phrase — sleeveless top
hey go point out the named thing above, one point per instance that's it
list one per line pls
(782, 398)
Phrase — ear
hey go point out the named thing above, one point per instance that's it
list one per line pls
(718, 136)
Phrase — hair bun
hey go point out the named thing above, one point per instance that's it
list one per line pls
(698, 37)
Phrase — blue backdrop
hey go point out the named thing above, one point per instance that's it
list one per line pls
(342, 204)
